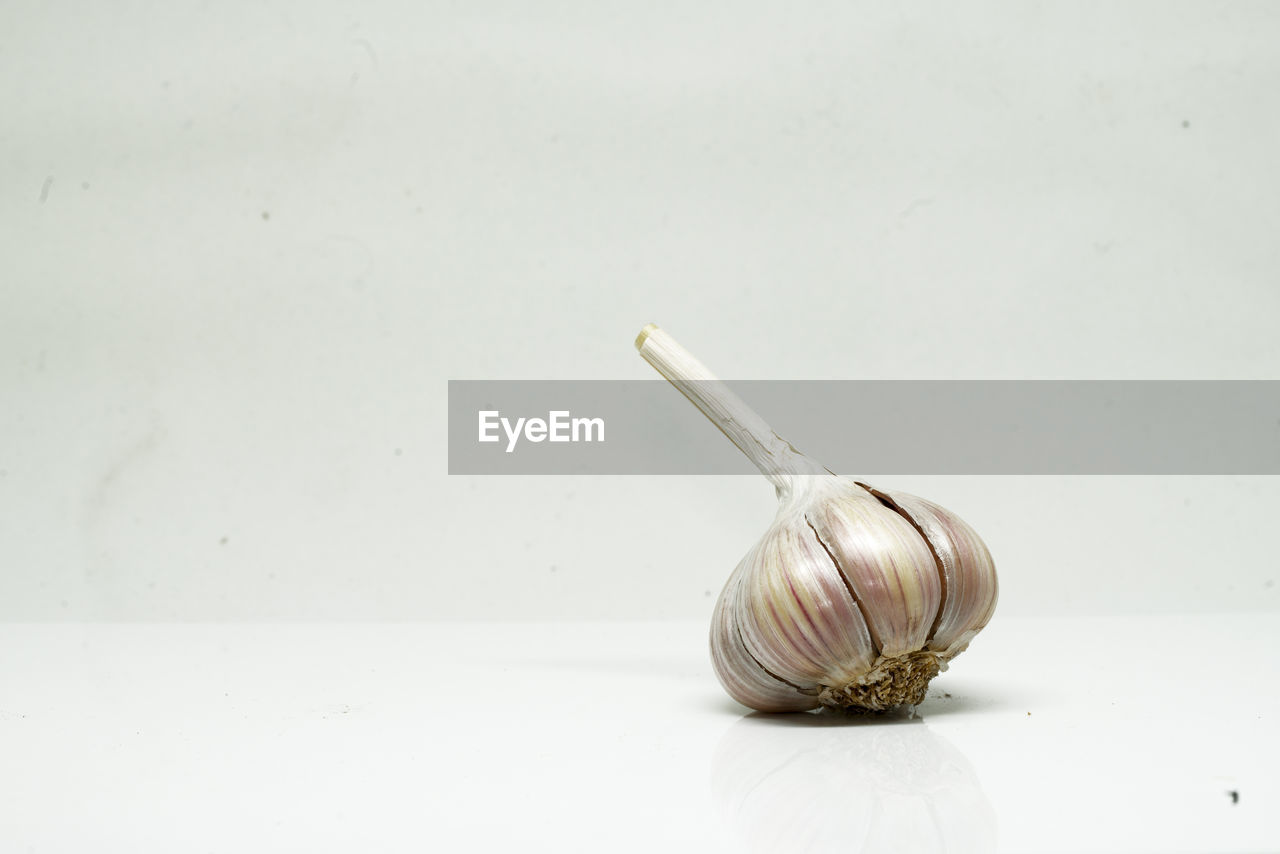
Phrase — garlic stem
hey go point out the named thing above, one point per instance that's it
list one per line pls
(774, 456)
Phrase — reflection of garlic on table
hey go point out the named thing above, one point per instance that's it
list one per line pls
(855, 596)
(817, 783)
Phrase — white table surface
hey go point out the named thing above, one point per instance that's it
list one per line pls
(1102, 734)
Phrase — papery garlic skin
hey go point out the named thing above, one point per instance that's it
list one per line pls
(739, 672)
(854, 597)
(970, 588)
(842, 602)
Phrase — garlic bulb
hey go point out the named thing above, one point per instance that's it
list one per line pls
(855, 596)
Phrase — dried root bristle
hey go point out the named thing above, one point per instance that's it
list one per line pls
(892, 682)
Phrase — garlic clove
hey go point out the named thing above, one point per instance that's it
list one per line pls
(969, 584)
(742, 676)
(887, 563)
(796, 613)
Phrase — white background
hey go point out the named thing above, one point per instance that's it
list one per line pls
(244, 246)
(1051, 734)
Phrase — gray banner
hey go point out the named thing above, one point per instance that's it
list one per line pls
(873, 427)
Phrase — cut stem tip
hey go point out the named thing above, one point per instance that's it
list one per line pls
(648, 330)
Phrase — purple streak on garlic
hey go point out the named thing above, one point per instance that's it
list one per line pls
(967, 571)
(743, 676)
(855, 597)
